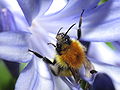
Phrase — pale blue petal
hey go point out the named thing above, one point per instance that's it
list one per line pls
(56, 6)
(76, 7)
(39, 39)
(67, 16)
(60, 84)
(35, 76)
(102, 23)
(116, 45)
(2, 4)
(17, 13)
(101, 52)
(71, 83)
(27, 77)
(7, 22)
(32, 8)
(14, 46)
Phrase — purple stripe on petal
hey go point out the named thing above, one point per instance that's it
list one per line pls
(31, 79)
(100, 52)
(14, 46)
(7, 22)
(17, 13)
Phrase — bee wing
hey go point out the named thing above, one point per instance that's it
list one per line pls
(76, 74)
(88, 67)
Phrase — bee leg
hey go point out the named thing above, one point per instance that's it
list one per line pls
(79, 27)
(55, 69)
(85, 43)
(46, 60)
(93, 71)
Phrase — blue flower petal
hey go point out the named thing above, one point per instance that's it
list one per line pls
(7, 22)
(71, 83)
(35, 76)
(116, 45)
(14, 46)
(2, 4)
(18, 15)
(56, 6)
(69, 15)
(60, 84)
(102, 53)
(39, 39)
(32, 8)
(102, 23)
(76, 7)
(103, 82)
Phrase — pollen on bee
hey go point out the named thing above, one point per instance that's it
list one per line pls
(73, 56)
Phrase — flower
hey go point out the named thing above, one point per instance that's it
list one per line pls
(43, 29)
(10, 39)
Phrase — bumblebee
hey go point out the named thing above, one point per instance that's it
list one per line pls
(70, 55)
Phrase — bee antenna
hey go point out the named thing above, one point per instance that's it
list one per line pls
(69, 29)
(59, 30)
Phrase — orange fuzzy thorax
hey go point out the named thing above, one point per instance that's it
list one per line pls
(74, 55)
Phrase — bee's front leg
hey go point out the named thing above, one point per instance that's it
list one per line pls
(55, 69)
(46, 60)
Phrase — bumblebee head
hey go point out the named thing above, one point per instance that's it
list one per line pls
(63, 38)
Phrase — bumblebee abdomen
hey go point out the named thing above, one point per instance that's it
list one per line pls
(73, 56)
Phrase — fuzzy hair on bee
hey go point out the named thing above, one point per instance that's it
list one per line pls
(70, 55)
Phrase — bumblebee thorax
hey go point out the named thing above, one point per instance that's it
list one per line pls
(73, 55)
